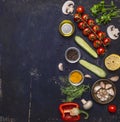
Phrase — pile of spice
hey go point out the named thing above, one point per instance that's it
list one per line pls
(75, 77)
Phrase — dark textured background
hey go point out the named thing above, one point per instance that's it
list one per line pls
(30, 50)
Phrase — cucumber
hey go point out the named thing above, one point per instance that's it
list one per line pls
(85, 46)
(93, 68)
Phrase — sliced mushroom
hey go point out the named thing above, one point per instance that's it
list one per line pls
(113, 32)
(68, 7)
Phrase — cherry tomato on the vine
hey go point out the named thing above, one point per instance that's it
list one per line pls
(106, 41)
(80, 9)
(96, 28)
(77, 17)
(97, 43)
(92, 37)
(82, 25)
(101, 35)
(86, 31)
(100, 50)
(85, 17)
(91, 22)
(112, 108)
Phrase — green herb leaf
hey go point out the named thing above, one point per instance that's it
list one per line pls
(104, 12)
(73, 92)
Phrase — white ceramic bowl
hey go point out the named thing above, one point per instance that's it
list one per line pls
(82, 80)
(72, 48)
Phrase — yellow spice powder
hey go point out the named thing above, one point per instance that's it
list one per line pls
(75, 77)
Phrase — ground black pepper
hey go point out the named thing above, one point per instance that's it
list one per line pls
(72, 54)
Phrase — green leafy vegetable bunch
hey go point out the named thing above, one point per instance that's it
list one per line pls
(104, 13)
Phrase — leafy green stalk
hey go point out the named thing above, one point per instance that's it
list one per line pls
(105, 13)
(73, 92)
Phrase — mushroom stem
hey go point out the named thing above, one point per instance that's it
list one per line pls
(87, 104)
(83, 101)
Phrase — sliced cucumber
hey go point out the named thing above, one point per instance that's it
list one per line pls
(93, 68)
(85, 46)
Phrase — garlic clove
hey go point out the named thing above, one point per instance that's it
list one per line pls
(102, 99)
(102, 84)
(88, 76)
(108, 86)
(60, 66)
(99, 96)
(114, 78)
(96, 88)
(111, 92)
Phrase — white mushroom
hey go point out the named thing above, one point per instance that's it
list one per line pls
(68, 7)
(96, 88)
(111, 91)
(108, 86)
(113, 32)
(60, 66)
(87, 104)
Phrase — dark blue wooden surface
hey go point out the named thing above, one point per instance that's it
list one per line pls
(30, 50)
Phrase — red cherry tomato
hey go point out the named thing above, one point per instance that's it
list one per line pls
(97, 43)
(82, 25)
(92, 37)
(112, 108)
(77, 18)
(96, 28)
(85, 17)
(91, 22)
(86, 31)
(106, 41)
(101, 35)
(100, 50)
(80, 9)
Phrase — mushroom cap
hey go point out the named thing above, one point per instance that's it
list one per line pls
(66, 5)
(113, 32)
(88, 105)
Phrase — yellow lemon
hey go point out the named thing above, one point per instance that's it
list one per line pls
(112, 62)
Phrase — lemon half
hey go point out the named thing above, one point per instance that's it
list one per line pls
(112, 62)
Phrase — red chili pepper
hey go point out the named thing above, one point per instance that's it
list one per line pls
(65, 111)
